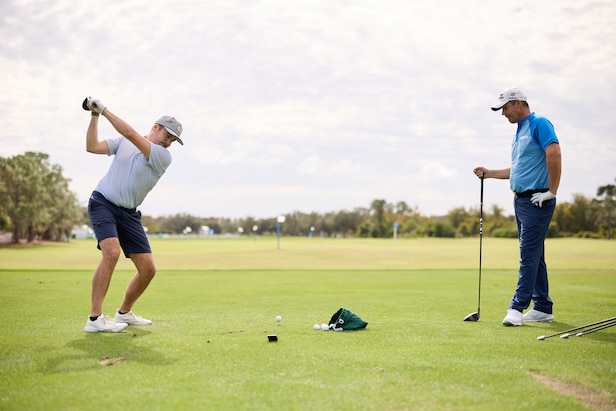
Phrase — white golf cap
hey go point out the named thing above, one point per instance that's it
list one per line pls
(173, 126)
(511, 94)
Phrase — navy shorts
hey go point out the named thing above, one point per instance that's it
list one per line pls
(111, 221)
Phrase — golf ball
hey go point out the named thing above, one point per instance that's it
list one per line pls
(317, 327)
(278, 318)
(324, 327)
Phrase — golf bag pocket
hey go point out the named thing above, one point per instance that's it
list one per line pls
(346, 320)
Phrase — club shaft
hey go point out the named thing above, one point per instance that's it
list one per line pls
(475, 316)
(480, 243)
(608, 320)
(596, 328)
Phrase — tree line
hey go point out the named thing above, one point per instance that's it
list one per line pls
(587, 218)
(36, 203)
(35, 200)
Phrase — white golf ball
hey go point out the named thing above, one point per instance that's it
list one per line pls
(278, 318)
(317, 327)
(324, 327)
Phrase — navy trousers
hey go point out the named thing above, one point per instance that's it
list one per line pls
(533, 223)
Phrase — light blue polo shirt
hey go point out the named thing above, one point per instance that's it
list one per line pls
(529, 170)
(131, 176)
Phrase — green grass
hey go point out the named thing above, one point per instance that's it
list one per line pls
(213, 304)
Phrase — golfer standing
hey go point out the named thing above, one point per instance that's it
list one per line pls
(138, 164)
(534, 177)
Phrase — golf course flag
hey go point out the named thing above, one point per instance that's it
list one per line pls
(345, 319)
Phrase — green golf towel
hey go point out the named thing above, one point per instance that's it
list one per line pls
(345, 319)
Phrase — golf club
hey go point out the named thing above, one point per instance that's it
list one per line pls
(608, 320)
(475, 316)
(597, 328)
(590, 330)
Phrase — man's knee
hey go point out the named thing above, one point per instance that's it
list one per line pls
(145, 265)
(149, 271)
(111, 249)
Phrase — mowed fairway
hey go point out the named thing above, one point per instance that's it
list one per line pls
(214, 301)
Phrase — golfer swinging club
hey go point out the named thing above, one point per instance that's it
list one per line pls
(534, 177)
(137, 166)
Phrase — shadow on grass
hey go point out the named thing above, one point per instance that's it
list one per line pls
(101, 350)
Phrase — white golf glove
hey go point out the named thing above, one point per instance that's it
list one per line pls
(97, 106)
(539, 198)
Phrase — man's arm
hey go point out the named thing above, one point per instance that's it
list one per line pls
(127, 131)
(553, 161)
(92, 143)
(501, 173)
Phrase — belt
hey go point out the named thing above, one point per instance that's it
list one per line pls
(529, 193)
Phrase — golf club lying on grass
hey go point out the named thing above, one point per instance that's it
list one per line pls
(595, 329)
(583, 330)
(475, 316)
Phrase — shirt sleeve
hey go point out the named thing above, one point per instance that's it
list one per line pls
(160, 158)
(113, 144)
(544, 132)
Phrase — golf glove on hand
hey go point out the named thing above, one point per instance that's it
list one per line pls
(539, 198)
(97, 106)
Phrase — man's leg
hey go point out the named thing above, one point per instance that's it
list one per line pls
(541, 297)
(533, 223)
(146, 270)
(102, 276)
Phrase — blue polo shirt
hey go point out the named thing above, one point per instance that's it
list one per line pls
(529, 170)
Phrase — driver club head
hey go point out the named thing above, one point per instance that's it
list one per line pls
(472, 317)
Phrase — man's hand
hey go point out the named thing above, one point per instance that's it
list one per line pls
(96, 106)
(539, 198)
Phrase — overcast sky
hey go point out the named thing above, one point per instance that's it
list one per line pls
(320, 105)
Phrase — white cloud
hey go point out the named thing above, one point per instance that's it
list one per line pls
(433, 170)
(312, 105)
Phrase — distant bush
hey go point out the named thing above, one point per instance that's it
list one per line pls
(505, 232)
(587, 234)
(441, 229)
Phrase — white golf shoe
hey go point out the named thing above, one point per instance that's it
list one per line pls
(104, 324)
(513, 317)
(131, 319)
(537, 316)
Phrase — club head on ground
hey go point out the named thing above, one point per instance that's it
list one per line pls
(472, 317)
